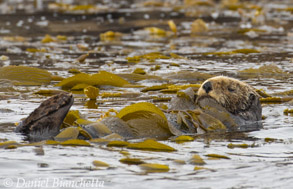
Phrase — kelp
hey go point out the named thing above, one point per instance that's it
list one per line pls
(265, 71)
(198, 26)
(288, 111)
(231, 145)
(275, 99)
(23, 75)
(139, 71)
(70, 142)
(141, 106)
(197, 160)
(48, 92)
(237, 51)
(101, 78)
(131, 161)
(149, 56)
(172, 26)
(154, 168)
(284, 93)
(117, 144)
(98, 163)
(151, 145)
(91, 92)
(217, 156)
(156, 88)
(189, 76)
(145, 120)
(132, 77)
(156, 31)
(110, 36)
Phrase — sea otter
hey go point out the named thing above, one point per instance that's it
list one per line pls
(221, 103)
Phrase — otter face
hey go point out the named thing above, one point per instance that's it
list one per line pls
(235, 96)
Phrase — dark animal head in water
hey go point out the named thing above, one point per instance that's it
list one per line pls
(236, 97)
(45, 121)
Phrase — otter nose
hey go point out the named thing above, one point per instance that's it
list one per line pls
(207, 87)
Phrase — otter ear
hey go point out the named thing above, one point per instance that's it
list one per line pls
(251, 97)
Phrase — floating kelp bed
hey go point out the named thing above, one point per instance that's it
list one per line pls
(129, 59)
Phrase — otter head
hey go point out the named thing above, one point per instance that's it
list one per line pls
(235, 96)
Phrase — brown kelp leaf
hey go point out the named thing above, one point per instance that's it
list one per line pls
(91, 92)
(217, 156)
(190, 77)
(275, 99)
(23, 75)
(48, 92)
(237, 145)
(154, 167)
(197, 160)
(131, 161)
(139, 71)
(156, 88)
(266, 71)
(198, 26)
(151, 145)
(237, 51)
(138, 77)
(101, 78)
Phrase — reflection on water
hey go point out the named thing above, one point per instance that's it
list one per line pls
(266, 26)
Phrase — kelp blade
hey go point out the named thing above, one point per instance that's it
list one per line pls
(23, 75)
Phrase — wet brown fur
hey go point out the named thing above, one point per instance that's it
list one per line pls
(236, 96)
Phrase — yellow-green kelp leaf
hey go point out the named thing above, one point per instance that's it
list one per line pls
(71, 117)
(241, 51)
(110, 36)
(23, 75)
(75, 142)
(154, 167)
(101, 78)
(67, 133)
(117, 144)
(156, 88)
(149, 56)
(98, 163)
(80, 86)
(156, 31)
(139, 71)
(266, 71)
(237, 145)
(183, 138)
(48, 92)
(217, 156)
(197, 168)
(91, 92)
(284, 93)
(138, 77)
(7, 144)
(288, 111)
(275, 99)
(131, 161)
(141, 106)
(151, 145)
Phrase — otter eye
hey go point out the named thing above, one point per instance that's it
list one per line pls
(231, 89)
